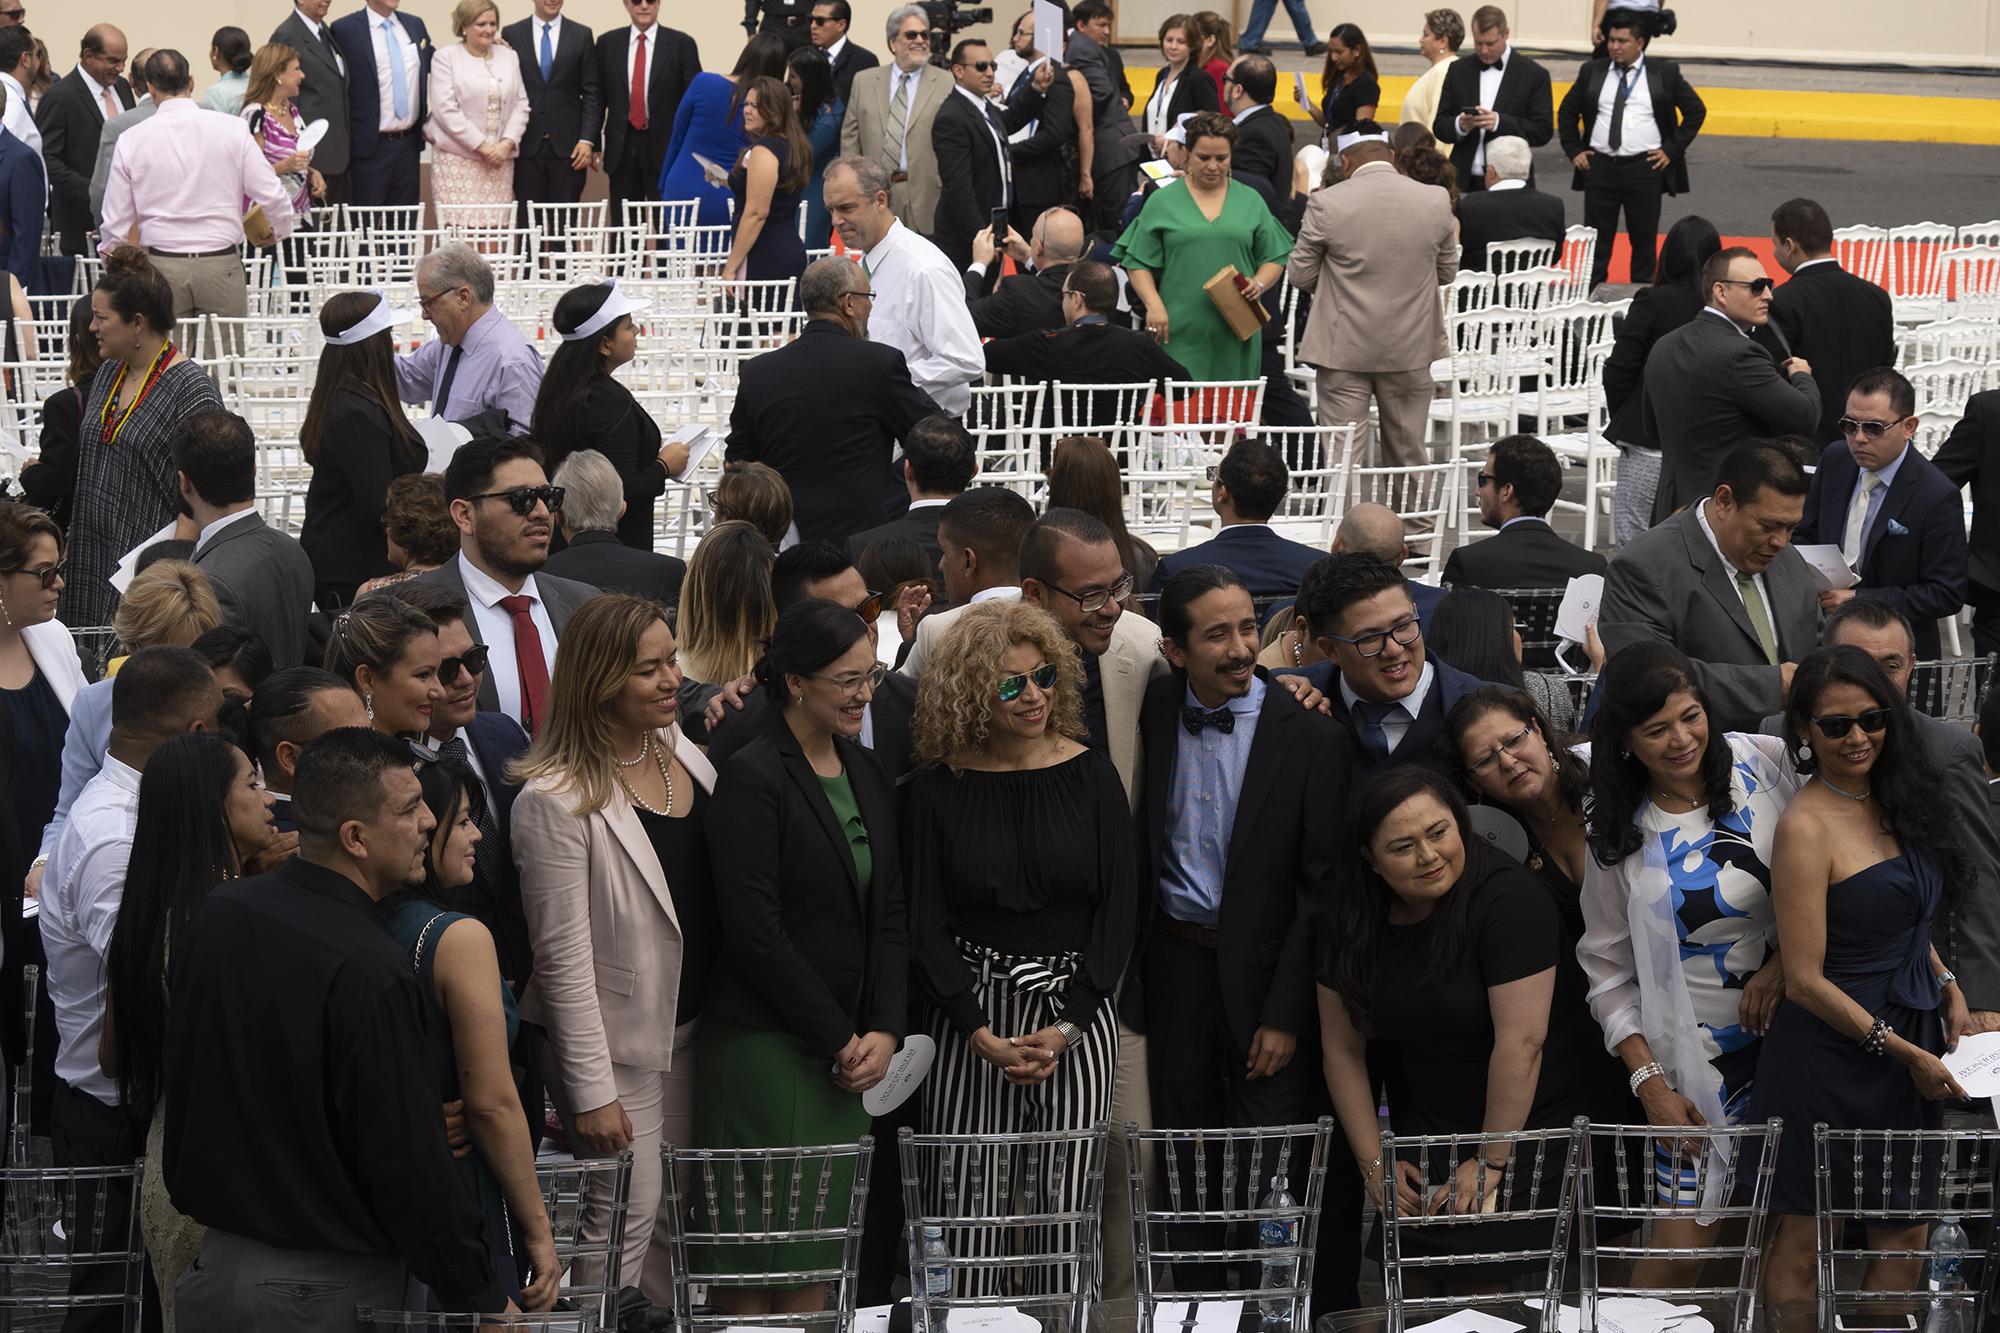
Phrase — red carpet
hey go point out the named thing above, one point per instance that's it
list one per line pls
(1621, 256)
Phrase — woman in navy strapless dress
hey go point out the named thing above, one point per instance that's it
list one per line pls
(768, 183)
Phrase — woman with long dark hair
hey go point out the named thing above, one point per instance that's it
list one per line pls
(1866, 862)
(809, 77)
(1499, 746)
(1350, 85)
(1474, 630)
(767, 184)
(202, 817)
(1083, 474)
(49, 479)
(709, 123)
(356, 440)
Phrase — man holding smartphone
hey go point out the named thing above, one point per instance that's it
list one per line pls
(969, 137)
(1494, 91)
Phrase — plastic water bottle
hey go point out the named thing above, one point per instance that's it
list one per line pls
(1942, 1275)
(1275, 1233)
(937, 1276)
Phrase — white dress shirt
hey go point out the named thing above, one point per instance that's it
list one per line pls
(1163, 98)
(97, 91)
(1489, 93)
(833, 52)
(1497, 186)
(181, 177)
(81, 891)
(385, 88)
(632, 36)
(496, 631)
(19, 118)
(1641, 134)
(207, 534)
(920, 311)
(1701, 514)
(1397, 722)
(981, 105)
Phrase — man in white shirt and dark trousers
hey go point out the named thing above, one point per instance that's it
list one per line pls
(160, 693)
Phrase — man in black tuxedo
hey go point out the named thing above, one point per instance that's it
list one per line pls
(1030, 301)
(593, 502)
(565, 105)
(1517, 488)
(827, 409)
(1494, 91)
(1263, 137)
(1842, 323)
(1626, 125)
(1508, 209)
(1249, 484)
(388, 56)
(830, 20)
(1091, 349)
(1970, 456)
(323, 96)
(939, 462)
(662, 62)
(969, 136)
(71, 120)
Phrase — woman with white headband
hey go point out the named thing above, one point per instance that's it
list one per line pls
(580, 405)
(356, 440)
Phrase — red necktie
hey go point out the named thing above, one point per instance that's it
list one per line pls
(528, 660)
(637, 120)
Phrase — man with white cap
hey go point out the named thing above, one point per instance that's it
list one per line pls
(1375, 248)
(479, 363)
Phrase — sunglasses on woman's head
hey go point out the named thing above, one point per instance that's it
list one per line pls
(472, 660)
(1875, 721)
(1010, 687)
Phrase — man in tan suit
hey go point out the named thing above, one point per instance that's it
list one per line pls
(1373, 250)
(889, 118)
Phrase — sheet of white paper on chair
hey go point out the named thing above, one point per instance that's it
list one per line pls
(1049, 37)
(442, 439)
(1223, 1315)
(1467, 1321)
(1632, 1314)
(128, 564)
(1581, 598)
(1976, 1064)
(310, 136)
(1829, 567)
(907, 1068)
(997, 1319)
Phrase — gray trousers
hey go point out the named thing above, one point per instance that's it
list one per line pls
(243, 1284)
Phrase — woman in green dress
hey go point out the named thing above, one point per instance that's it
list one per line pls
(1185, 235)
(810, 995)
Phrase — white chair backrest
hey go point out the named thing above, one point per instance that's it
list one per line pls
(1863, 251)
(1916, 258)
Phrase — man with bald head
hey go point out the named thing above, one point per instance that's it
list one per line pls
(1376, 530)
(142, 110)
(1030, 300)
(72, 119)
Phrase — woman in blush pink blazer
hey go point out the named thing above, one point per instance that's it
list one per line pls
(479, 111)
(615, 884)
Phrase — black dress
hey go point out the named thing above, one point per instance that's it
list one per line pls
(35, 725)
(50, 484)
(778, 252)
(682, 846)
(614, 424)
(360, 453)
(1347, 98)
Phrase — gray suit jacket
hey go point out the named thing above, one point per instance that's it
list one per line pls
(1707, 390)
(117, 125)
(562, 597)
(1672, 585)
(264, 581)
(1104, 70)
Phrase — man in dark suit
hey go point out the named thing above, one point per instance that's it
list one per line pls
(291, 709)
(1249, 484)
(593, 502)
(23, 203)
(969, 136)
(829, 23)
(565, 105)
(1964, 459)
(1032, 301)
(1841, 323)
(1897, 519)
(939, 462)
(1517, 488)
(1626, 124)
(1374, 529)
(1091, 349)
(1710, 388)
(1115, 153)
(832, 447)
(645, 55)
(323, 96)
(1508, 209)
(263, 579)
(1263, 137)
(71, 119)
(1494, 91)
(388, 55)
(1048, 159)
(1720, 581)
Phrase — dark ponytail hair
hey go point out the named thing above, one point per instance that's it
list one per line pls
(809, 637)
(136, 290)
(575, 366)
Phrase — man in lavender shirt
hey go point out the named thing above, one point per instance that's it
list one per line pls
(479, 362)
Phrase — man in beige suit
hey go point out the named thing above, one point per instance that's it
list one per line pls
(1373, 250)
(889, 117)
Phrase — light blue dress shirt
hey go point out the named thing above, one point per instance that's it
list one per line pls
(1888, 476)
(1201, 809)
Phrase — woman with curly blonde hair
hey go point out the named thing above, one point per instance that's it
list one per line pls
(1019, 867)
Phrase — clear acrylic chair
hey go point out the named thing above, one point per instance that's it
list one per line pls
(1212, 1185)
(1724, 1178)
(371, 1320)
(69, 1243)
(20, 1131)
(590, 1263)
(1019, 1215)
(736, 1215)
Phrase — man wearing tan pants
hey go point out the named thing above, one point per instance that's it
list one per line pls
(1373, 250)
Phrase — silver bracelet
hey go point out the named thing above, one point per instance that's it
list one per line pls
(1643, 1073)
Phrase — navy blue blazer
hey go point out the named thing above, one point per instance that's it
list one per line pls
(1913, 555)
(1415, 748)
(23, 200)
(357, 45)
(1272, 565)
(1425, 598)
(497, 741)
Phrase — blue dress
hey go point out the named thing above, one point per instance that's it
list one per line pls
(710, 123)
(824, 135)
(777, 252)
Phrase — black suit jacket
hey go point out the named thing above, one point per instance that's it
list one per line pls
(606, 563)
(969, 167)
(1085, 354)
(917, 525)
(1195, 92)
(1527, 554)
(832, 448)
(1971, 457)
(72, 123)
(673, 64)
(568, 106)
(1280, 862)
(805, 952)
(1841, 324)
(890, 714)
(1525, 105)
(1024, 303)
(1264, 148)
(1913, 555)
(323, 96)
(1416, 746)
(1486, 216)
(1677, 109)
(851, 61)
(497, 740)
(1045, 163)
(357, 43)
(1654, 313)
(1269, 563)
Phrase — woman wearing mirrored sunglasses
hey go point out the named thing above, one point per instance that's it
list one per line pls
(1018, 851)
(1866, 861)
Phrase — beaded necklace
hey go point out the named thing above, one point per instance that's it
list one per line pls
(107, 428)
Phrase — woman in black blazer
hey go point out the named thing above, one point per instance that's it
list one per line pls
(356, 440)
(1184, 86)
(1673, 299)
(810, 997)
(49, 482)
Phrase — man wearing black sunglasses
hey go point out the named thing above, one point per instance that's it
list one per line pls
(1710, 388)
(969, 136)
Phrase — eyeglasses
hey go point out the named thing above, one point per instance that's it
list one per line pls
(915, 37)
(1479, 768)
(1757, 286)
(424, 303)
(523, 499)
(983, 66)
(472, 661)
(1872, 429)
(46, 575)
(1875, 721)
(850, 685)
(1486, 479)
(1403, 631)
(869, 607)
(866, 296)
(1099, 599)
(1010, 687)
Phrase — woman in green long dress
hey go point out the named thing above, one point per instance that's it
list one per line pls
(1184, 235)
